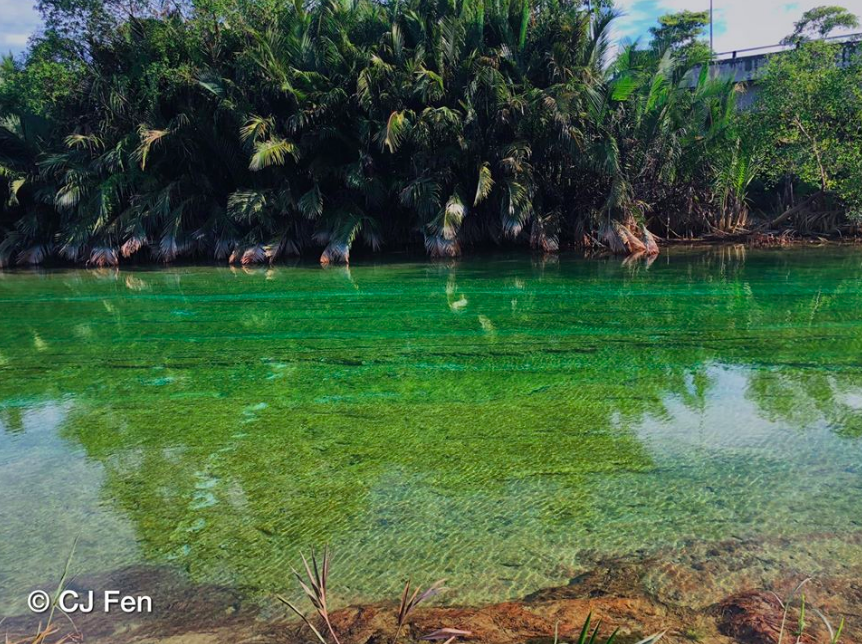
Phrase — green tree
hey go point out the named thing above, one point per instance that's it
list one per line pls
(244, 130)
(808, 121)
(820, 22)
(681, 32)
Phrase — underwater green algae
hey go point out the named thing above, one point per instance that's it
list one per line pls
(494, 421)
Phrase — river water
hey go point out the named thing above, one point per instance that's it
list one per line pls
(497, 421)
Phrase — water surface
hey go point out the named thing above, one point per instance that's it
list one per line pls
(497, 421)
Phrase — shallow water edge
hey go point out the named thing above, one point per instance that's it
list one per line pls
(713, 592)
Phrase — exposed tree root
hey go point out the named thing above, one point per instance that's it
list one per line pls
(621, 240)
(649, 241)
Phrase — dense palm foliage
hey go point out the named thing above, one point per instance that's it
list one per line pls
(245, 130)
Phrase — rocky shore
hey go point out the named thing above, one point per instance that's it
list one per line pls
(715, 593)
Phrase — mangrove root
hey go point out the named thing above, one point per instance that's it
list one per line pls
(649, 241)
(622, 241)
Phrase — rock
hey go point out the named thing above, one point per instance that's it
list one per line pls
(755, 617)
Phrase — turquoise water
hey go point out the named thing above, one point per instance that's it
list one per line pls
(498, 422)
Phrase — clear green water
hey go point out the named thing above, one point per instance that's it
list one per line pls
(492, 421)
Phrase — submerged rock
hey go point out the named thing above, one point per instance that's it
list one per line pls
(711, 592)
(756, 617)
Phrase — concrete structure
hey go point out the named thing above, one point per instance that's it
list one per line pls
(746, 66)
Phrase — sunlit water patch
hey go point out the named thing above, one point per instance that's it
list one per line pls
(497, 422)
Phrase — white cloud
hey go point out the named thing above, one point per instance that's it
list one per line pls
(15, 40)
(18, 20)
(739, 24)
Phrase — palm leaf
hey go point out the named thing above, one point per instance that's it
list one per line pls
(149, 137)
(256, 128)
(311, 203)
(272, 152)
(396, 129)
(484, 184)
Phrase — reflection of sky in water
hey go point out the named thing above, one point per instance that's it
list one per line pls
(499, 423)
(730, 423)
(766, 475)
(52, 493)
(852, 399)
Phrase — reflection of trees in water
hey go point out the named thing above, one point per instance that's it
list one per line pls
(12, 420)
(236, 413)
(803, 398)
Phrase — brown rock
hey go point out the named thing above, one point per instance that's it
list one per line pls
(755, 617)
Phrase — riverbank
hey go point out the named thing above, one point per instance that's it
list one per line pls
(770, 240)
(724, 592)
(230, 142)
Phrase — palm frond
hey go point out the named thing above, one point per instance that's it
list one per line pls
(272, 152)
(484, 184)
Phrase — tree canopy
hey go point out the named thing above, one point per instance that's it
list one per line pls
(246, 130)
(680, 31)
(821, 22)
(808, 122)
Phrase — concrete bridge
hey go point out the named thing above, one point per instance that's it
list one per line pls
(746, 66)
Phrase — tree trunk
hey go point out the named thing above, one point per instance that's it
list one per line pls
(787, 214)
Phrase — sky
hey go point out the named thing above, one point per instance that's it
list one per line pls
(739, 24)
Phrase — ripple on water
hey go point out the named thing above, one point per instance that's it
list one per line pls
(424, 424)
